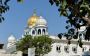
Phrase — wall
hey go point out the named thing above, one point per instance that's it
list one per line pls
(19, 53)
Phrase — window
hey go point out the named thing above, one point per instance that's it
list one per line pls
(74, 49)
(43, 31)
(83, 49)
(39, 31)
(89, 49)
(33, 32)
(58, 48)
(27, 33)
(80, 35)
(66, 49)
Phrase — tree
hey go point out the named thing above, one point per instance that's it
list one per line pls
(24, 43)
(4, 7)
(41, 43)
(60, 35)
(76, 11)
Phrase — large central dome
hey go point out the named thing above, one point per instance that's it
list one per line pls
(35, 20)
(32, 20)
(37, 26)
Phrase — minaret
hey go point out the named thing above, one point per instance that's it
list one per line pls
(11, 42)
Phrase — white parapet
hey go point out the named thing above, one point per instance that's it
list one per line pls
(19, 53)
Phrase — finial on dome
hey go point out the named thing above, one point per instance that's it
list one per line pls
(34, 12)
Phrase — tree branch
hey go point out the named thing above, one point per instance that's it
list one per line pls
(87, 20)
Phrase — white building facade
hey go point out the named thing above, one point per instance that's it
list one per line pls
(10, 49)
(61, 48)
(37, 26)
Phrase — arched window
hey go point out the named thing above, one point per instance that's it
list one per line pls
(66, 49)
(89, 48)
(80, 35)
(74, 49)
(39, 31)
(58, 48)
(33, 32)
(83, 49)
(27, 33)
(43, 31)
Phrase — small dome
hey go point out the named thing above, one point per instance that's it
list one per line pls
(32, 20)
(41, 21)
(11, 38)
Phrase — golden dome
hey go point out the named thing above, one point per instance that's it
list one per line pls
(32, 20)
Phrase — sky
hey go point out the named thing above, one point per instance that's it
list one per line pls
(16, 18)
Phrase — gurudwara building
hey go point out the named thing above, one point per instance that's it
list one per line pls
(37, 26)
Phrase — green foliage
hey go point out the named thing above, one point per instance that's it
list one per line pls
(75, 36)
(60, 35)
(24, 43)
(3, 8)
(69, 42)
(80, 43)
(87, 35)
(75, 11)
(19, 0)
(41, 43)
